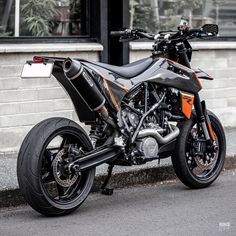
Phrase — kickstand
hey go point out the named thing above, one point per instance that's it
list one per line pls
(104, 189)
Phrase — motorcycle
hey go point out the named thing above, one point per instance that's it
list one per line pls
(144, 111)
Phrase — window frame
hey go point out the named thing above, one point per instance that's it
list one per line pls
(89, 37)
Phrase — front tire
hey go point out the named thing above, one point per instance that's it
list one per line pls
(42, 177)
(198, 171)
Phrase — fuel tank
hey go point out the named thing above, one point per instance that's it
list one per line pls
(171, 74)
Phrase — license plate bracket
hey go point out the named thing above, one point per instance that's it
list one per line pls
(33, 70)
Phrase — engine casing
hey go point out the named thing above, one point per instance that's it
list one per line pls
(148, 147)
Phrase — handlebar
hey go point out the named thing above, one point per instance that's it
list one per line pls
(146, 35)
(193, 31)
(132, 34)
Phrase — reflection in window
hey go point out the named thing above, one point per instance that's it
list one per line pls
(156, 15)
(7, 18)
(43, 18)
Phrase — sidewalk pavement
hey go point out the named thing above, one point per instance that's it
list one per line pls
(122, 176)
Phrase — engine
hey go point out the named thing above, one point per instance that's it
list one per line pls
(145, 121)
(147, 146)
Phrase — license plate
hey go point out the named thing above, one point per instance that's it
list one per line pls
(37, 70)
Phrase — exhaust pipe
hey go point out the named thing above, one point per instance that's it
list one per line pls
(87, 88)
(161, 140)
(83, 83)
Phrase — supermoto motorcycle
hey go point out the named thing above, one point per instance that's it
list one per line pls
(144, 111)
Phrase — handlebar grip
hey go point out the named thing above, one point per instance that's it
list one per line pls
(117, 33)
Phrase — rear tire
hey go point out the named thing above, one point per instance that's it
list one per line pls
(181, 157)
(36, 176)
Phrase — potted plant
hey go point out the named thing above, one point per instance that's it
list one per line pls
(38, 17)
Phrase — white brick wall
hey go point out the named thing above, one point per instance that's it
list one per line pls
(23, 103)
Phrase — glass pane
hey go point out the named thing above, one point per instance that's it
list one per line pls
(45, 18)
(7, 18)
(157, 15)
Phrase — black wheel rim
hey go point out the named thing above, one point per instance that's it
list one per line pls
(53, 190)
(202, 167)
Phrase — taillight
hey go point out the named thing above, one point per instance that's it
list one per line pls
(38, 60)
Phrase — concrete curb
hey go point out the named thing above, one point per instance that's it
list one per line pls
(119, 180)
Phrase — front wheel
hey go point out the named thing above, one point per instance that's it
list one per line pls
(44, 177)
(195, 163)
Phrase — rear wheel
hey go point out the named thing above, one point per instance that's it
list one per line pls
(44, 177)
(196, 164)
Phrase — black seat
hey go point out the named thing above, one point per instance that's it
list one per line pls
(127, 71)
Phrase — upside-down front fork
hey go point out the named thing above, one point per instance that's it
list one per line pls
(203, 119)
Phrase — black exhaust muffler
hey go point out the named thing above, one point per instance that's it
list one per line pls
(83, 83)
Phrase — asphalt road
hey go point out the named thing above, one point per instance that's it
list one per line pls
(169, 209)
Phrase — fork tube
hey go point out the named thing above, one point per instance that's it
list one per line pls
(183, 59)
(182, 52)
(200, 116)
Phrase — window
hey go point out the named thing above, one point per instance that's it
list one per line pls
(43, 18)
(156, 15)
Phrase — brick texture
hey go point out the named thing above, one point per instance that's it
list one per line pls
(25, 102)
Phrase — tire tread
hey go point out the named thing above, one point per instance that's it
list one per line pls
(27, 163)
